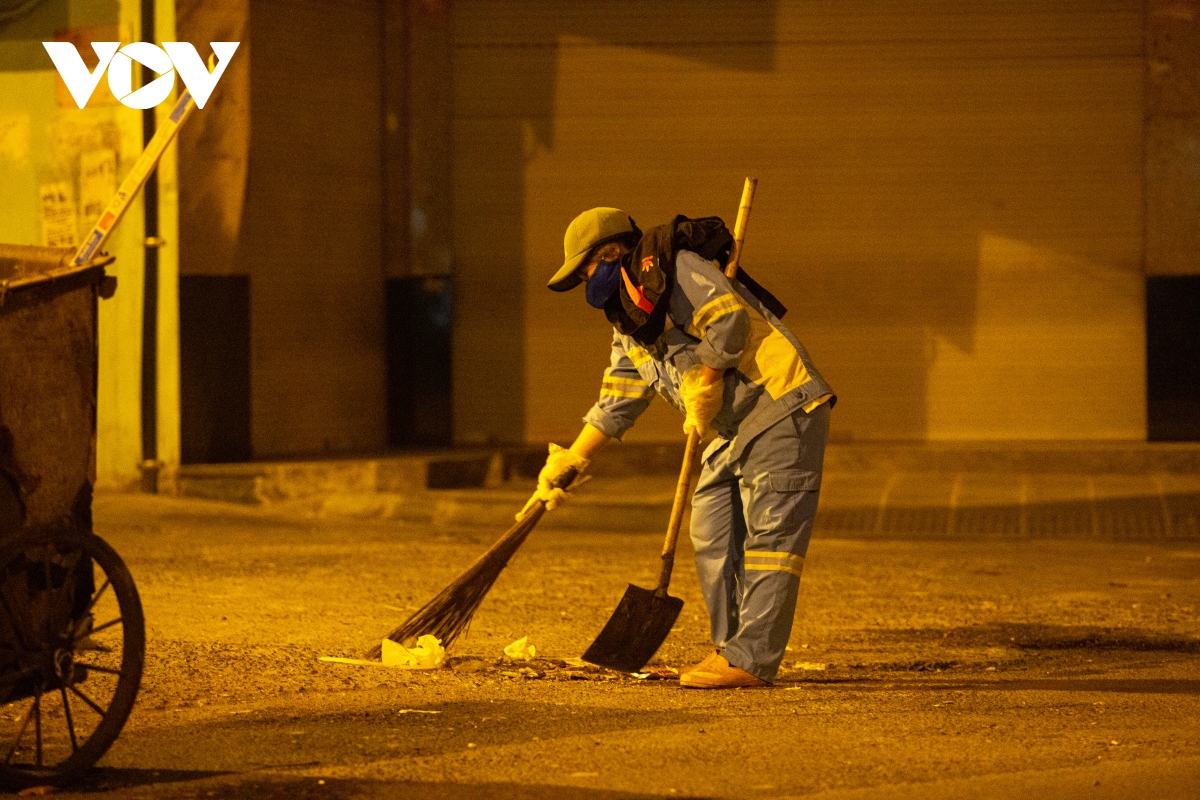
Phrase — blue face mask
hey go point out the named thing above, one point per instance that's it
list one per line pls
(604, 283)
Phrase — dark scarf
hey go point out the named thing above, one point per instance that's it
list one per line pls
(639, 308)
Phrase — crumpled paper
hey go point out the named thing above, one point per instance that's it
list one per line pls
(427, 653)
(521, 650)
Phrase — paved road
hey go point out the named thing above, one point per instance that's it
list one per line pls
(978, 668)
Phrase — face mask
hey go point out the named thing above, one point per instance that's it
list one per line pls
(603, 283)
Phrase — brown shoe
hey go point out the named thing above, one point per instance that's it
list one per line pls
(719, 674)
(707, 660)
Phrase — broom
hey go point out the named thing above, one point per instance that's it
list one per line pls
(449, 613)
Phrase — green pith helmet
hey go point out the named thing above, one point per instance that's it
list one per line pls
(593, 227)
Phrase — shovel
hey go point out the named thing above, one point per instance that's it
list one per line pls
(644, 617)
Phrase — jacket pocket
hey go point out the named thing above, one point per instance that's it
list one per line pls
(795, 481)
(649, 372)
(679, 350)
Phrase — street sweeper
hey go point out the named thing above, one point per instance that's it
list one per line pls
(715, 349)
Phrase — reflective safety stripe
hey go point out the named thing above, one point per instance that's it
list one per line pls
(712, 311)
(638, 355)
(792, 557)
(624, 387)
(775, 562)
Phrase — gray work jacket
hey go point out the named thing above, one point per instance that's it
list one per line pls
(713, 322)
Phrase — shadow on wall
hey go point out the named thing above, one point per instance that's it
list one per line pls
(513, 61)
(896, 147)
(1049, 330)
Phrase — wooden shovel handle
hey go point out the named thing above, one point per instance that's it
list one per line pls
(691, 454)
(739, 227)
(683, 493)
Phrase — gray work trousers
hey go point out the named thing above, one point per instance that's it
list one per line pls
(752, 518)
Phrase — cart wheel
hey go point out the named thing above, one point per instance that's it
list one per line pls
(72, 643)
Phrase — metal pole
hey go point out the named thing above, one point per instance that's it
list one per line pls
(150, 464)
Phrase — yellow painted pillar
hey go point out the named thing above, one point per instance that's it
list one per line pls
(119, 449)
(168, 275)
(59, 165)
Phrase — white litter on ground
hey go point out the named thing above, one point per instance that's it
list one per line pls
(521, 649)
(427, 653)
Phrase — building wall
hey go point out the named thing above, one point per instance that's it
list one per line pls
(1173, 220)
(312, 234)
(950, 200)
(429, 82)
(52, 180)
(1173, 137)
(289, 195)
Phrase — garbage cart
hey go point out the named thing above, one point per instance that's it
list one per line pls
(72, 634)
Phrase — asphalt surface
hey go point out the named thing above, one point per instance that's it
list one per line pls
(951, 668)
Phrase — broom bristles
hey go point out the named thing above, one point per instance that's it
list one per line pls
(449, 613)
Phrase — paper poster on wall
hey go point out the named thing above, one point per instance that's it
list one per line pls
(59, 217)
(82, 38)
(14, 137)
(97, 183)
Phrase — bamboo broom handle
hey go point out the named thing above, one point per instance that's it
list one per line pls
(739, 227)
(691, 453)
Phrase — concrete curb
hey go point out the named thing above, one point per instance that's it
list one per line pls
(1132, 491)
(496, 509)
(885, 506)
(259, 483)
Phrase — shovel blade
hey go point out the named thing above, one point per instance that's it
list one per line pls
(635, 631)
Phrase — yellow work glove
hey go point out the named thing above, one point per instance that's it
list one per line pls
(551, 490)
(701, 401)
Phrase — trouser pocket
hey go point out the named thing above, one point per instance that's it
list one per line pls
(781, 508)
